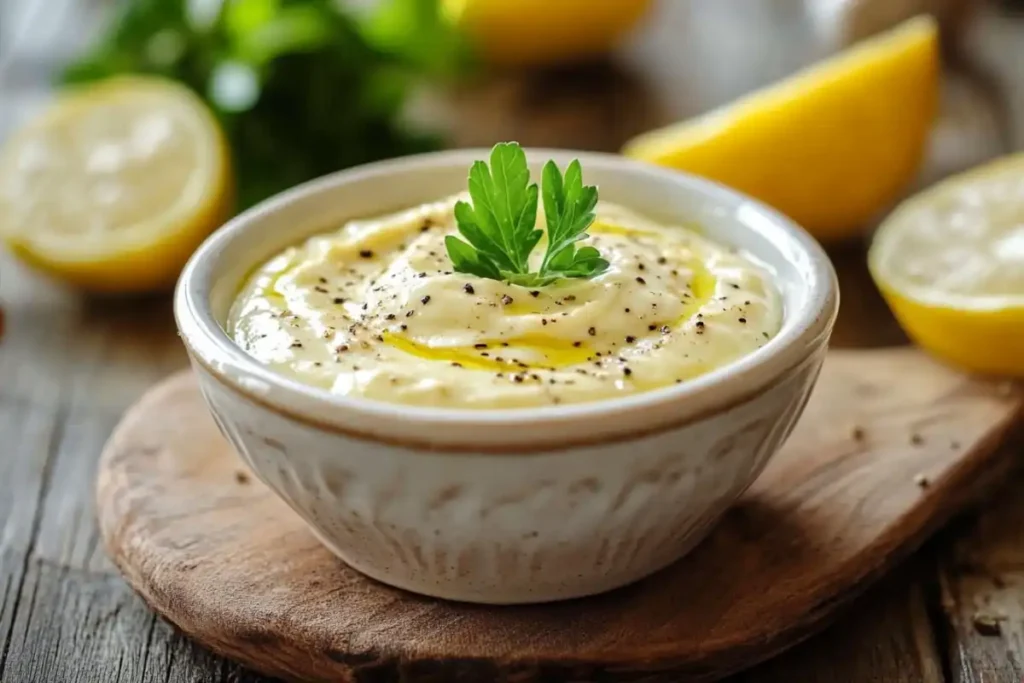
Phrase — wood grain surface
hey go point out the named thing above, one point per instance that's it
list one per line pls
(891, 445)
(69, 367)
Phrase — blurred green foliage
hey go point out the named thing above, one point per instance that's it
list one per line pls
(301, 87)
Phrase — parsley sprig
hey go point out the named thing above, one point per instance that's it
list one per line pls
(500, 224)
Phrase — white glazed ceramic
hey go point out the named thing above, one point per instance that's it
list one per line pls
(519, 505)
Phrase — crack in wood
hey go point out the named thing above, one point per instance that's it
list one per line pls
(53, 446)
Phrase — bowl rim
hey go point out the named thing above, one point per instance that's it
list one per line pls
(210, 347)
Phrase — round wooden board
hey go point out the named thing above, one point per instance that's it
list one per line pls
(891, 445)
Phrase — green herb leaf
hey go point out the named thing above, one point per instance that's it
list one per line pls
(500, 224)
(468, 260)
(569, 210)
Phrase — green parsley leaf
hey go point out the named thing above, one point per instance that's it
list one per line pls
(500, 224)
(569, 210)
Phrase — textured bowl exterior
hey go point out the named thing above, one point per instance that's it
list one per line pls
(520, 505)
(513, 528)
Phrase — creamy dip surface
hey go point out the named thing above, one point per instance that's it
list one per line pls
(374, 310)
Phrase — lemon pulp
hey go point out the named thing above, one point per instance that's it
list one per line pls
(115, 184)
(950, 264)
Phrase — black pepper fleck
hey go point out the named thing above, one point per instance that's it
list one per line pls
(366, 253)
(592, 331)
(468, 288)
(425, 300)
(506, 299)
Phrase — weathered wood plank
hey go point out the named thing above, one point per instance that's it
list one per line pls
(78, 627)
(982, 581)
(887, 637)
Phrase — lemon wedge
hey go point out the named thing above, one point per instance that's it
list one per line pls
(950, 263)
(831, 146)
(542, 32)
(115, 184)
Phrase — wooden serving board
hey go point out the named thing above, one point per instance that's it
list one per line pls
(891, 445)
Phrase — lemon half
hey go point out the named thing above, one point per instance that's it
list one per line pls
(950, 263)
(830, 146)
(115, 184)
(542, 32)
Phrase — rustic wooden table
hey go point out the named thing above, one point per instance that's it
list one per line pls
(69, 366)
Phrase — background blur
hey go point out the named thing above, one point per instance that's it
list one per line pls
(683, 57)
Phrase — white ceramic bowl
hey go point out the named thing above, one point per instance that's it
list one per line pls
(517, 505)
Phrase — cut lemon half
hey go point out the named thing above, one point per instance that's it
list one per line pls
(831, 146)
(950, 263)
(115, 184)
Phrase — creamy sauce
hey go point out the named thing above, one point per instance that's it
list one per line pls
(375, 310)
